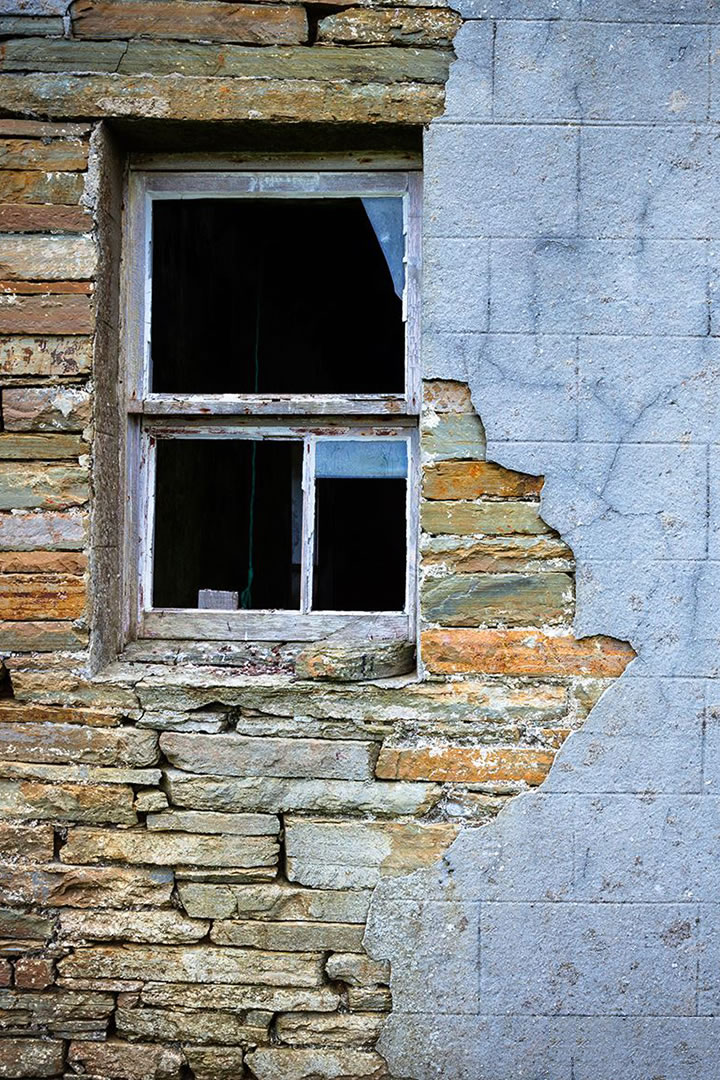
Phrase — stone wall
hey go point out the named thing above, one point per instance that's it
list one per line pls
(191, 841)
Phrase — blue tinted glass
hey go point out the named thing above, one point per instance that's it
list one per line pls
(358, 458)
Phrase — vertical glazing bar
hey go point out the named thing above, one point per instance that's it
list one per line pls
(146, 537)
(413, 257)
(308, 525)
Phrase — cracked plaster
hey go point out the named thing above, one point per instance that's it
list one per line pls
(571, 278)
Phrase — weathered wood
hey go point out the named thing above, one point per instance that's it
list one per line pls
(189, 97)
(47, 315)
(276, 405)
(390, 26)
(55, 155)
(63, 357)
(352, 161)
(47, 257)
(260, 626)
(37, 217)
(255, 24)
(34, 186)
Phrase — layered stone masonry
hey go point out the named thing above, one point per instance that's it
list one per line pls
(189, 852)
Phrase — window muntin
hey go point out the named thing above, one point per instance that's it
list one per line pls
(354, 445)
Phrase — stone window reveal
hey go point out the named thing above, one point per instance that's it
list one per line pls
(272, 403)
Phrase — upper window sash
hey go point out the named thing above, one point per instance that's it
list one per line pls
(145, 188)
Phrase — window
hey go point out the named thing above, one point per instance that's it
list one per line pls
(271, 360)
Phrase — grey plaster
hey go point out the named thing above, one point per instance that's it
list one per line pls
(476, 198)
(595, 71)
(595, 896)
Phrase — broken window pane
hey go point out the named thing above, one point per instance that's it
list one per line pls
(226, 518)
(277, 296)
(361, 544)
(336, 458)
(386, 218)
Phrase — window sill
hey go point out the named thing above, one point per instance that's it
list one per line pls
(337, 659)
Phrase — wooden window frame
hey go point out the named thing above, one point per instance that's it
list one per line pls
(308, 417)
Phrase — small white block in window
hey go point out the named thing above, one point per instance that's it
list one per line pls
(217, 600)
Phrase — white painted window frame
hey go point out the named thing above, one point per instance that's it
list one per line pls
(307, 417)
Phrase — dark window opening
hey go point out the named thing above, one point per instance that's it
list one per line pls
(361, 545)
(227, 517)
(277, 296)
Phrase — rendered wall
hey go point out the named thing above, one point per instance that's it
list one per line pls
(573, 180)
(190, 842)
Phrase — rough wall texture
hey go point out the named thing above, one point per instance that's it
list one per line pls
(575, 170)
(190, 844)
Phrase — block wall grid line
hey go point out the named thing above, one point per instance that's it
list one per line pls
(190, 853)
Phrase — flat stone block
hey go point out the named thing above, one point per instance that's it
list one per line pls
(449, 763)
(85, 886)
(199, 963)
(126, 1060)
(649, 950)
(52, 408)
(523, 652)
(35, 1057)
(168, 849)
(48, 314)
(279, 1063)
(36, 186)
(66, 802)
(65, 357)
(163, 927)
(266, 794)
(467, 191)
(550, 70)
(342, 854)
(74, 743)
(390, 26)
(22, 531)
(458, 518)
(253, 23)
(497, 599)
(238, 755)
(191, 97)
